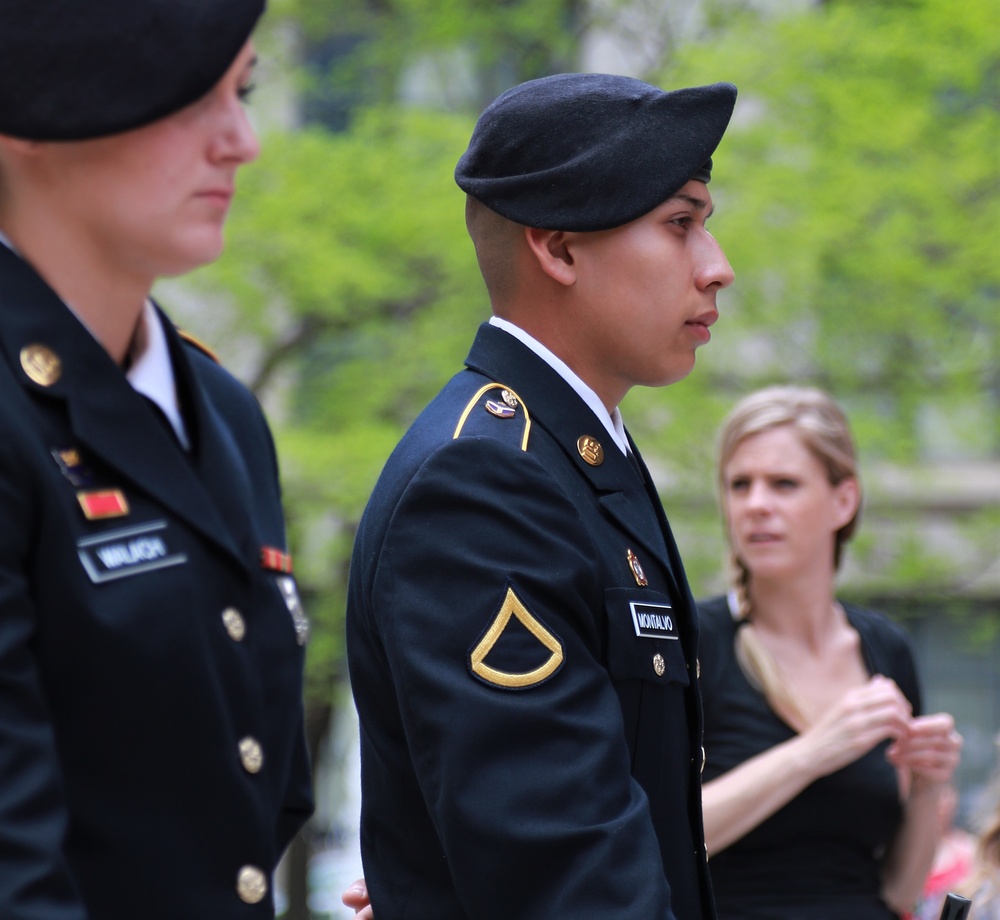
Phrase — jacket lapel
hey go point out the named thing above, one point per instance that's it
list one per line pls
(217, 457)
(108, 418)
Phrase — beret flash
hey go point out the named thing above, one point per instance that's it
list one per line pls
(591, 151)
(72, 70)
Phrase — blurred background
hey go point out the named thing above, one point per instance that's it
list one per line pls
(858, 200)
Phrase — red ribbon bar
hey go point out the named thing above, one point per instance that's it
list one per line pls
(274, 560)
(108, 503)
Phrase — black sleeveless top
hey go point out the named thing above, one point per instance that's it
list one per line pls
(820, 857)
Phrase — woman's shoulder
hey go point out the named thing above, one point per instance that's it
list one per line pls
(715, 614)
(888, 649)
(716, 626)
(877, 627)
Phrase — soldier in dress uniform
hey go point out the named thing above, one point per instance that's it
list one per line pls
(521, 635)
(152, 755)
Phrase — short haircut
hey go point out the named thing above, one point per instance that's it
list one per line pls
(495, 239)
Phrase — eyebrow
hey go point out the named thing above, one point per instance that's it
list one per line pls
(699, 204)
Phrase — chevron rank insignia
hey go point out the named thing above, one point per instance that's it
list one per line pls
(516, 652)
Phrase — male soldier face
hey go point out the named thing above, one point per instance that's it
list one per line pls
(647, 295)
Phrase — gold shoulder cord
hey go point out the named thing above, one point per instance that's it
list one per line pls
(199, 344)
(479, 395)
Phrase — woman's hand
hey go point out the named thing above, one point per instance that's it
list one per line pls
(357, 897)
(926, 758)
(862, 718)
(930, 750)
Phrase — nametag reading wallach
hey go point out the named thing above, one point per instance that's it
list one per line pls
(129, 551)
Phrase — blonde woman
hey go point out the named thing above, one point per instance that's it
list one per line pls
(822, 778)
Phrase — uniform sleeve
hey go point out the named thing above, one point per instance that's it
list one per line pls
(488, 598)
(298, 802)
(35, 882)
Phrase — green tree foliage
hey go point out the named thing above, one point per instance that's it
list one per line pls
(362, 52)
(859, 194)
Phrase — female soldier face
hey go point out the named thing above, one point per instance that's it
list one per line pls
(152, 201)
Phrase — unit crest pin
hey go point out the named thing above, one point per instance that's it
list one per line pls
(637, 570)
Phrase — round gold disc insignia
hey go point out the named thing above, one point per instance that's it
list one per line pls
(509, 398)
(590, 449)
(659, 665)
(41, 364)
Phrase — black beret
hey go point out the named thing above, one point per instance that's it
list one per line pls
(72, 70)
(591, 151)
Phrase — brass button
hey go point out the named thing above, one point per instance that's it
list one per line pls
(659, 665)
(251, 755)
(251, 885)
(235, 625)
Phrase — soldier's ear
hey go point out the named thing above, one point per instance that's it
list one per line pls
(552, 252)
(18, 146)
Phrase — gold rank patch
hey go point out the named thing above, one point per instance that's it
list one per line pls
(513, 610)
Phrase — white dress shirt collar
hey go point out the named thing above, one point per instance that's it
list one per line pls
(611, 421)
(151, 372)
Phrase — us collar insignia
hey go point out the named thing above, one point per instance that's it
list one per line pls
(72, 466)
(41, 364)
(275, 560)
(498, 409)
(100, 504)
(637, 573)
